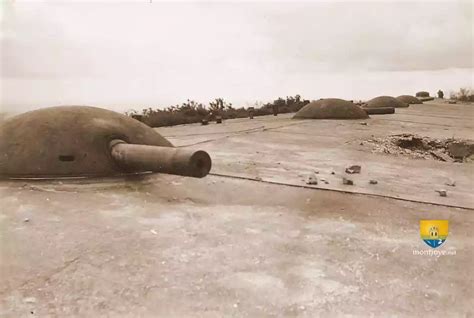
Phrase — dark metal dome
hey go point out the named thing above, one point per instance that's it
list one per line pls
(68, 141)
(408, 99)
(385, 101)
(331, 108)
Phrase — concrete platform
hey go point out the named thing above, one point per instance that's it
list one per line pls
(253, 239)
(279, 149)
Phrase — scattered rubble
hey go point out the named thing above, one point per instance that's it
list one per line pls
(418, 147)
(353, 169)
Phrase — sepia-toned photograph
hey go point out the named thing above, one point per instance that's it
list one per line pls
(258, 158)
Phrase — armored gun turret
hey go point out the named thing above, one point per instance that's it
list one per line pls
(82, 141)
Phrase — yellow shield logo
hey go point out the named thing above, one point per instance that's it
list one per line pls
(434, 232)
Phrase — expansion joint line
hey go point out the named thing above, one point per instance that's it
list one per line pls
(341, 191)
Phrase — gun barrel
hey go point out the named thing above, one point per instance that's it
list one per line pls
(184, 162)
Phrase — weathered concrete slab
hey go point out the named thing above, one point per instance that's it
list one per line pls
(173, 246)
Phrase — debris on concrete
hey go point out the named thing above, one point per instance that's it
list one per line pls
(26, 220)
(363, 124)
(373, 181)
(441, 156)
(418, 147)
(313, 180)
(451, 183)
(442, 193)
(347, 181)
(353, 169)
(333, 172)
(29, 300)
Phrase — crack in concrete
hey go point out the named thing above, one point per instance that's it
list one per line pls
(45, 278)
(341, 191)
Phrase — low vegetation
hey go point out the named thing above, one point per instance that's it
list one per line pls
(194, 112)
(463, 95)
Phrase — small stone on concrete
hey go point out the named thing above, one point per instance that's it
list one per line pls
(373, 182)
(353, 169)
(29, 300)
(442, 193)
(26, 220)
(451, 183)
(312, 180)
(347, 181)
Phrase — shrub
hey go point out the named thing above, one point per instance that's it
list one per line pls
(194, 112)
(464, 95)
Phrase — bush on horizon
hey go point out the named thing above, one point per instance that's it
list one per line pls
(463, 95)
(194, 112)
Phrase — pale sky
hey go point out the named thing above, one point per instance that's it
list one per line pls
(136, 54)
